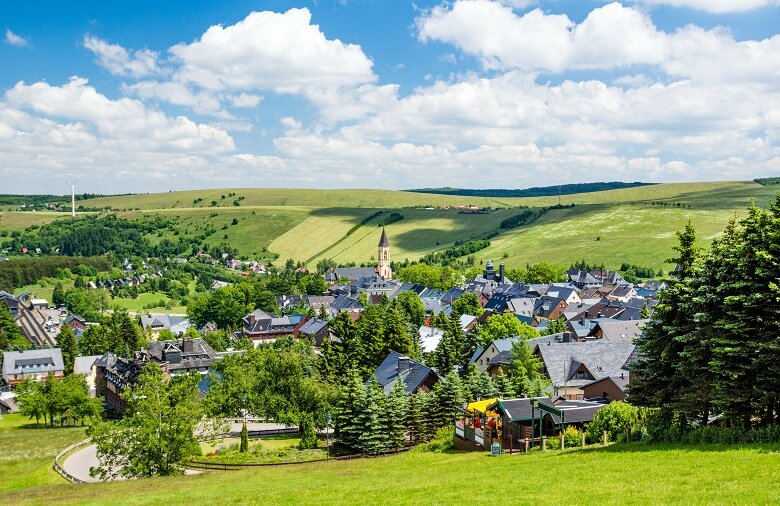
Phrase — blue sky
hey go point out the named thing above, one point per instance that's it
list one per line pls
(152, 96)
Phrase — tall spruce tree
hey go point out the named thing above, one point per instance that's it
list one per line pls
(372, 418)
(657, 379)
(396, 408)
(747, 329)
(447, 398)
(370, 336)
(415, 418)
(396, 333)
(66, 341)
(348, 407)
(708, 287)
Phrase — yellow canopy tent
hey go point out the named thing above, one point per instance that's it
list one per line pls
(481, 407)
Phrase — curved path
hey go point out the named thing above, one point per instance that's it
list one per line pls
(78, 463)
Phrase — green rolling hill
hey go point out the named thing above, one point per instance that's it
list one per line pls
(634, 225)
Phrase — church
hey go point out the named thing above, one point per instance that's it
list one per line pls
(383, 257)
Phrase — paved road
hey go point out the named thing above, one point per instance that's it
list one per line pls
(78, 463)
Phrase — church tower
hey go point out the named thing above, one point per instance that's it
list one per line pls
(383, 257)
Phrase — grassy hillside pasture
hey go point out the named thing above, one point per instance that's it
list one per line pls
(27, 452)
(640, 235)
(308, 225)
(420, 232)
(708, 195)
(256, 228)
(283, 197)
(619, 474)
(704, 194)
(12, 220)
(322, 229)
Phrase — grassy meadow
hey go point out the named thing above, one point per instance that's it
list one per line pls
(617, 474)
(27, 452)
(633, 225)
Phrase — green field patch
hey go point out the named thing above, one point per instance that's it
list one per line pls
(27, 452)
(634, 234)
(11, 221)
(618, 474)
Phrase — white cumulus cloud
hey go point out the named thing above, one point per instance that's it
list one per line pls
(611, 36)
(121, 62)
(268, 50)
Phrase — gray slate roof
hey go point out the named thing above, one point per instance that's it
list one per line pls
(602, 358)
(574, 411)
(83, 365)
(413, 377)
(354, 273)
(32, 361)
(621, 331)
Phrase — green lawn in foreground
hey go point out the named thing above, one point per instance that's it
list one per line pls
(27, 452)
(619, 474)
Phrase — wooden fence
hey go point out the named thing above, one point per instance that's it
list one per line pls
(59, 469)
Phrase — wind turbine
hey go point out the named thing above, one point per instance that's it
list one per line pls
(73, 197)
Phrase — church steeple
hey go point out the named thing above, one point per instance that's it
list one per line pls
(383, 242)
(383, 257)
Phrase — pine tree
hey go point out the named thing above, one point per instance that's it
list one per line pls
(344, 352)
(557, 326)
(66, 341)
(308, 432)
(526, 370)
(471, 385)
(506, 388)
(644, 313)
(323, 313)
(448, 353)
(370, 337)
(396, 408)
(348, 408)
(372, 419)
(708, 289)
(415, 418)
(396, 334)
(244, 439)
(58, 295)
(448, 397)
(657, 380)
(747, 330)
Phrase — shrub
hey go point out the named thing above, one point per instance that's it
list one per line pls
(441, 442)
(615, 419)
(554, 443)
(675, 430)
(308, 434)
(244, 439)
(572, 436)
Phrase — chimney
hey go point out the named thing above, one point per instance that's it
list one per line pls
(599, 315)
(403, 365)
(501, 272)
(187, 345)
